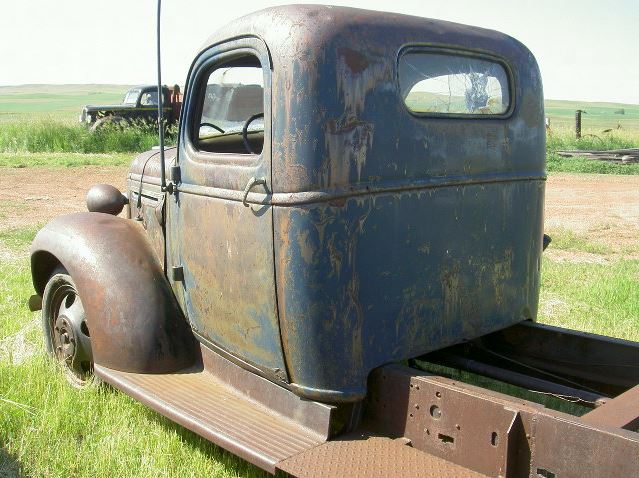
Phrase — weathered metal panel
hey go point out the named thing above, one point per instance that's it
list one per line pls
(386, 277)
(134, 321)
(621, 412)
(338, 116)
(225, 248)
(493, 433)
(394, 234)
(397, 234)
(564, 447)
(363, 456)
(199, 401)
(228, 278)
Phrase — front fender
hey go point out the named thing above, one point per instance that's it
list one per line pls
(132, 315)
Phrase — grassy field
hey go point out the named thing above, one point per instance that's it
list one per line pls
(61, 102)
(46, 135)
(597, 117)
(57, 160)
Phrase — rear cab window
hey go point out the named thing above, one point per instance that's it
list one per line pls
(435, 83)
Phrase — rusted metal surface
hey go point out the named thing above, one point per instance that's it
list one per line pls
(605, 364)
(312, 415)
(363, 456)
(228, 286)
(390, 230)
(106, 198)
(374, 279)
(133, 319)
(622, 412)
(492, 433)
(264, 426)
(337, 105)
(225, 248)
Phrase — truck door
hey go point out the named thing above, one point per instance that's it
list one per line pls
(220, 230)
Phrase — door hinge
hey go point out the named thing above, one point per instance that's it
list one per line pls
(177, 274)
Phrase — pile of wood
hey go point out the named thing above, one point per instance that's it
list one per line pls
(620, 156)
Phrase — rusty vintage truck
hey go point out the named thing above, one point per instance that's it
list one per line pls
(339, 264)
(139, 105)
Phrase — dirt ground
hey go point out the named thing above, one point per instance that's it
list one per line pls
(600, 207)
(33, 196)
(603, 208)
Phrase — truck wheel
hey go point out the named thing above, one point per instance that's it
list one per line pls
(65, 329)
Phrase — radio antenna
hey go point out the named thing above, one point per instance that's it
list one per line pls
(160, 103)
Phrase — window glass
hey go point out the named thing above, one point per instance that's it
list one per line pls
(232, 118)
(453, 84)
(149, 98)
(131, 97)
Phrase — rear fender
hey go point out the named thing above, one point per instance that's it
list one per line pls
(132, 315)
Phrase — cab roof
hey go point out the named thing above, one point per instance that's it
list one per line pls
(337, 112)
(289, 28)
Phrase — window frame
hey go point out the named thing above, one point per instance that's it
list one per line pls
(213, 58)
(464, 53)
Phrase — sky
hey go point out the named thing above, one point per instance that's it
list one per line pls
(587, 50)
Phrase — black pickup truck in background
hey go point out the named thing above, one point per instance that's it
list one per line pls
(140, 105)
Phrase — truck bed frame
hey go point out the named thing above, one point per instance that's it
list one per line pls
(415, 423)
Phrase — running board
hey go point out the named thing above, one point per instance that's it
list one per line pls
(237, 410)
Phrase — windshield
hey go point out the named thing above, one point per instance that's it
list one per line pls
(131, 97)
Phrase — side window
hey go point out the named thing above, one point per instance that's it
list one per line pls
(149, 98)
(231, 110)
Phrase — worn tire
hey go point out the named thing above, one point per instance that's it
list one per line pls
(66, 333)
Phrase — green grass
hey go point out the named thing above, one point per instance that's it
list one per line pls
(15, 280)
(557, 164)
(51, 136)
(600, 298)
(596, 298)
(564, 139)
(567, 240)
(58, 431)
(57, 160)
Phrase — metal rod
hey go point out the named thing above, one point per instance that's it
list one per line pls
(530, 383)
(160, 103)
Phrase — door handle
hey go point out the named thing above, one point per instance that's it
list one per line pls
(251, 184)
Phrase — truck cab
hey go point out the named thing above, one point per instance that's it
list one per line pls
(394, 196)
(350, 191)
